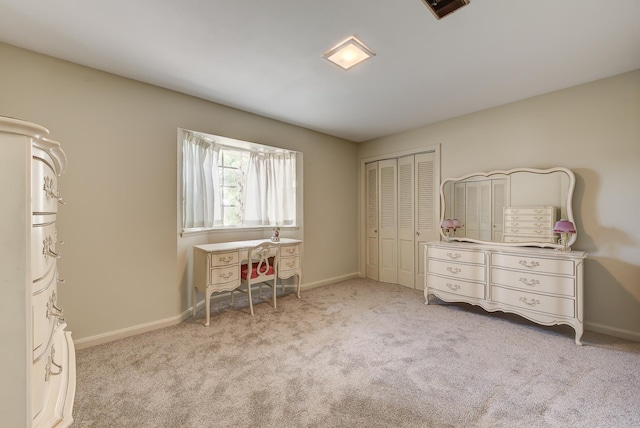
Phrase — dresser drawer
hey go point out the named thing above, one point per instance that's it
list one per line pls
(527, 238)
(43, 315)
(535, 302)
(43, 247)
(456, 255)
(528, 281)
(289, 250)
(550, 211)
(44, 186)
(533, 264)
(456, 286)
(456, 270)
(224, 259)
(533, 232)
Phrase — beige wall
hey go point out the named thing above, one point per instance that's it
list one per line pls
(593, 129)
(124, 265)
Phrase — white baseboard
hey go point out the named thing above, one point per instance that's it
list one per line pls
(99, 339)
(612, 331)
(130, 331)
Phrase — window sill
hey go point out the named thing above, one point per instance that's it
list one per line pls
(203, 231)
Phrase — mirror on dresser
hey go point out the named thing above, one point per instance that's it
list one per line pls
(518, 207)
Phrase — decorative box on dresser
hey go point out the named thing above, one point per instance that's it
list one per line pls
(37, 357)
(527, 224)
(541, 284)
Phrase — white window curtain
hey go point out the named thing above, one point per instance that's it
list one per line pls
(271, 189)
(201, 198)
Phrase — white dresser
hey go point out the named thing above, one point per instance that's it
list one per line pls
(541, 284)
(37, 357)
(529, 224)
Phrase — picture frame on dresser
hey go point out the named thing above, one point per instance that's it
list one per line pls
(504, 255)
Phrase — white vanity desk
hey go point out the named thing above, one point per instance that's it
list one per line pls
(216, 267)
(502, 253)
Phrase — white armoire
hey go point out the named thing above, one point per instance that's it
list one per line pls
(37, 357)
(401, 215)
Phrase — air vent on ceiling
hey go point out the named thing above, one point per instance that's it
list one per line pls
(442, 8)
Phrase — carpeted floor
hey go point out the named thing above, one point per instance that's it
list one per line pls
(359, 354)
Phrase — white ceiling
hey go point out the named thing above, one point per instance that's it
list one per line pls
(265, 56)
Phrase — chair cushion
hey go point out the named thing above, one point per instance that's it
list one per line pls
(244, 270)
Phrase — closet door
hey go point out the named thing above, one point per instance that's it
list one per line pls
(472, 213)
(372, 219)
(460, 208)
(499, 189)
(388, 229)
(426, 215)
(406, 223)
(485, 216)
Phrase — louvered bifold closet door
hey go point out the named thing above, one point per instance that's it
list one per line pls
(460, 208)
(388, 229)
(500, 200)
(426, 209)
(372, 219)
(406, 223)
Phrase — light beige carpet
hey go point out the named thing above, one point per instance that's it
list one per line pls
(359, 354)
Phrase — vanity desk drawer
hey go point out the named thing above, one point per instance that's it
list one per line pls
(224, 259)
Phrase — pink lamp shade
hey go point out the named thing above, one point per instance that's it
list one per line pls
(457, 224)
(447, 223)
(564, 226)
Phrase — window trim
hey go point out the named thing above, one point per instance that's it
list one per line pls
(236, 144)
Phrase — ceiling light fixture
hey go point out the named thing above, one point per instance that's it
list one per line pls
(348, 53)
(442, 8)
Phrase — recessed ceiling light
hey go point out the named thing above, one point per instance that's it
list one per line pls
(348, 53)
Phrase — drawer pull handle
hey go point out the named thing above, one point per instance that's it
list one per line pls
(515, 211)
(454, 287)
(515, 217)
(526, 301)
(50, 192)
(531, 283)
(454, 256)
(515, 230)
(226, 275)
(530, 265)
(538, 217)
(51, 362)
(290, 263)
(454, 270)
(290, 251)
(54, 311)
(46, 250)
(224, 259)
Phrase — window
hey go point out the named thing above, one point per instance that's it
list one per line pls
(230, 183)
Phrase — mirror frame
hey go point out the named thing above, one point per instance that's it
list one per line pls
(569, 206)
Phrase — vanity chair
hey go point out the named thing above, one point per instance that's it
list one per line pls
(261, 267)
